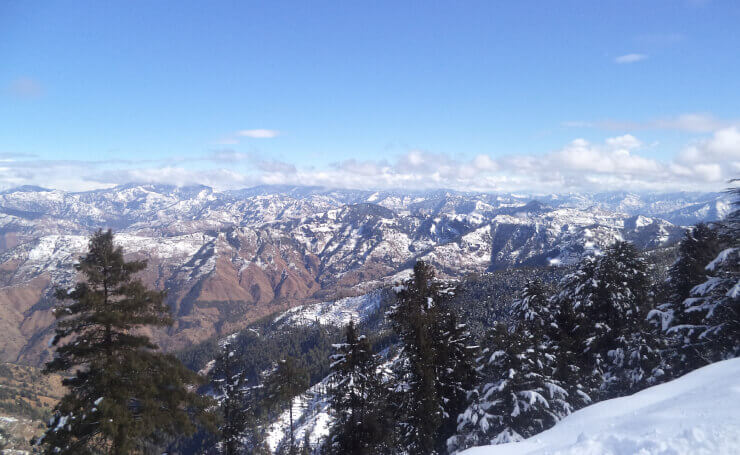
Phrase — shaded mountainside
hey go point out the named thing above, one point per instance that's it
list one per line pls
(229, 258)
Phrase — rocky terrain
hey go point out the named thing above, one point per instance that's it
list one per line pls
(229, 258)
(27, 397)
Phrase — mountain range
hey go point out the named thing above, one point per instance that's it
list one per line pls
(229, 258)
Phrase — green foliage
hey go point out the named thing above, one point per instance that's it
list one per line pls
(708, 321)
(123, 397)
(605, 303)
(516, 399)
(287, 381)
(236, 402)
(698, 247)
(436, 367)
(357, 399)
(482, 300)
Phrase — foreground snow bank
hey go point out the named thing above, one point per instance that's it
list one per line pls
(696, 414)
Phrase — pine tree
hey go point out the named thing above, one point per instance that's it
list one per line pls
(306, 448)
(613, 344)
(356, 398)
(716, 302)
(285, 383)
(545, 329)
(570, 363)
(456, 372)
(233, 393)
(517, 399)
(122, 397)
(698, 247)
(435, 350)
(419, 411)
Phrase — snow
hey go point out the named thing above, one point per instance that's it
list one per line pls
(720, 259)
(310, 416)
(337, 313)
(694, 414)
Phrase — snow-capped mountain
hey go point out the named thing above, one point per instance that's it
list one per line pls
(228, 258)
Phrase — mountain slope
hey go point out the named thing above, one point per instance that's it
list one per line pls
(230, 258)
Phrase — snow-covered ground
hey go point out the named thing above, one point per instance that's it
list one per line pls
(310, 417)
(337, 313)
(694, 415)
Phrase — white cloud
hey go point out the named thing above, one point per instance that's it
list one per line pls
(627, 141)
(630, 58)
(724, 145)
(259, 133)
(485, 162)
(614, 157)
(618, 162)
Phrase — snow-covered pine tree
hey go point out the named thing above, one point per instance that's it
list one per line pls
(433, 345)
(233, 394)
(288, 380)
(537, 322)
(548, 319)
(613, 346)
(717, 299)
(457, 374)
(516, 399)
(122, 395)
(532, 310)
(418, 406)
(698, 247)
(356, 398)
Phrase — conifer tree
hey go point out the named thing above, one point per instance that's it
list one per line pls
(456, 372)
(285, 383)
(356, 398)
(547, 331)
(697, 248)
(716, 301)
(233, 393)
(532, 310)
(434, 348)
(613, 345)
(516, 400)
(122, 397)
(418, 407)
(570, 363)
(306, 448)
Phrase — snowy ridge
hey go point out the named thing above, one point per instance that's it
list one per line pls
(338, 313)
(55, 254)
(692, 415)
(225, 257)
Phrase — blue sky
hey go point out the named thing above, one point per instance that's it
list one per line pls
(548, 95)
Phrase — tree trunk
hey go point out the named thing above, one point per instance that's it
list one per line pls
(290, 412)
